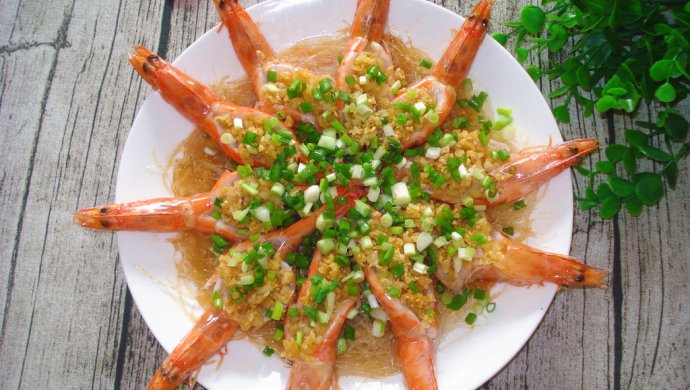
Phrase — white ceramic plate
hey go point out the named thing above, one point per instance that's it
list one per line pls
(467, 357)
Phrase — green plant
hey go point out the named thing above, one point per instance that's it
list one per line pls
(622, 52)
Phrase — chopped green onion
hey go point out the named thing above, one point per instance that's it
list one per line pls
(420, 268)
(322, 317)
(325, 85)
(277, 189)
(504, 111)
(327, 142)
(397, 270)
(471, 318)
(520, 204)
(298, 338)
(272, 76)
(378, 328)
(325, 245)
(341, 347)
(249, 189)
(393, 292)
(426, 64)
(423, 241)
(413, 287)
(349, 332)
(277, 312)
(216, 300)
(401, 194)
(247, 280)
(386, 220)
(350, 80)
(396, 87)
(306, 107)
(502, 122)
(279, 334)
(268, 351)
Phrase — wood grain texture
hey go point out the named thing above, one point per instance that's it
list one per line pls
(67, 100)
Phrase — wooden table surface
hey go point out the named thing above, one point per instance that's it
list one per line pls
(67, 100)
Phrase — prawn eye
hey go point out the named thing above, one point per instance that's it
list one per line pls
(485, 22)
(221, 4)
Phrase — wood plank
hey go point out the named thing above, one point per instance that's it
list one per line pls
(654, 267)
(66, 313)
(21, 118)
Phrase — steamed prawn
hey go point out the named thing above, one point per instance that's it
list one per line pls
(251, 278)
(280, 88)
(246, 135)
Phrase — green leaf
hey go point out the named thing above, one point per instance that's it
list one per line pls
(522, 54)
(560, 91)
(616, 152)
(621, 187)
(534, 72)
(617, 91)
(605, 167)
(666, 93)
(671, 173)
(634, 206)
(591, 195)
(686, 7)
(587, 204)
(604, 191)
(676, 127)
(502, 39)
(630, 163)
(654, 153)
(583, 171)
(532, 18)
(557, 37)
(561, 114)
(661, 69)
(583, 78)
(609, 208)
(605, 103)
(636, 138)
(649, 188)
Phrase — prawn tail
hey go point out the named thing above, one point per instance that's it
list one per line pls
(456, 61)
(212, 332)
(530, 170)
(310, 375)
(416, 356)
(189, 97)
(523, 265)
(413, 343)
(153, 215)
(371, 18)
(250, 45)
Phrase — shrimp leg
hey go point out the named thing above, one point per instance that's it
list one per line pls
(225, 122)
(317, 372)
(522, 265)
(450, 71)
(163, 214)
(212, 331)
